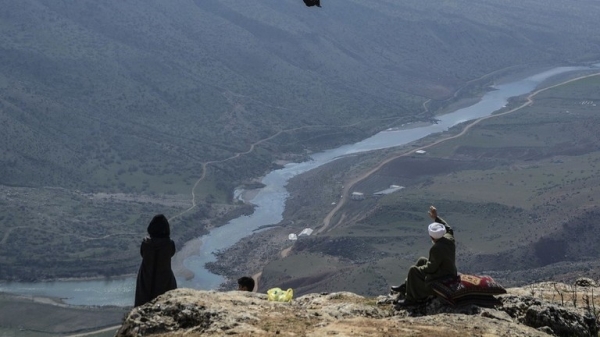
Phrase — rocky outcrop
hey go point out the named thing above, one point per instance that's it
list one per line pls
(551, 318)
(209, 313)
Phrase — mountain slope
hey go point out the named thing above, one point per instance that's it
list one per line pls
(82, 83)
(112, 106)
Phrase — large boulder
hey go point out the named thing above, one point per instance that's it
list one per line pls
(561, 321)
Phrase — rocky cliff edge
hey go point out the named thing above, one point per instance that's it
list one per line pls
(537, 310)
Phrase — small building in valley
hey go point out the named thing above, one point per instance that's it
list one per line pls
(391, 189)
(357, 196)
(306, 232)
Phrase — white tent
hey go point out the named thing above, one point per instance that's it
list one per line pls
(292, 237)
(306, 231)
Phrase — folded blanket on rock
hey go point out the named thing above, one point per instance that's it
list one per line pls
(468, 289)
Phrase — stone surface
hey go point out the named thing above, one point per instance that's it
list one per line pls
(585, 282)
(187, 312)
(562, 321)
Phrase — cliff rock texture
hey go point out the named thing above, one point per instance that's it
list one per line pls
(537, 310)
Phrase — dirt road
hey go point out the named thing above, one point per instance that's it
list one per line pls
(350, 184)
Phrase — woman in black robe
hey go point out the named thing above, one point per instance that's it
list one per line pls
(155, 276)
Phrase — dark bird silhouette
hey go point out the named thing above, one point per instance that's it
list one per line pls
(310, 3)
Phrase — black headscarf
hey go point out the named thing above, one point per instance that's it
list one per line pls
(159, 227)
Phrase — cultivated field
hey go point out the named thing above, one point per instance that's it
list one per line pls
(520, 190)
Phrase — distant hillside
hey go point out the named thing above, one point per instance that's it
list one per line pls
(91, 89)
(520, 191)
(117, 108)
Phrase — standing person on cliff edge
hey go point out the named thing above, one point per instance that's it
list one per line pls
(155, 276)
(440, 264)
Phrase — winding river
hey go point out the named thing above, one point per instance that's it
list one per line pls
(270, 203)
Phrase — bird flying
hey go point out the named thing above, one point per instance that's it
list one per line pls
(310, 3)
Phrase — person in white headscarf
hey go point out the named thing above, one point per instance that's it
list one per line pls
(440, 264)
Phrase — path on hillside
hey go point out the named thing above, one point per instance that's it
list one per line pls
(349, 185)
(188, 249)
(204, 165)
(251, 149)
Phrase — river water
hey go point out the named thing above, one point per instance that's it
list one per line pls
(270, 202)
